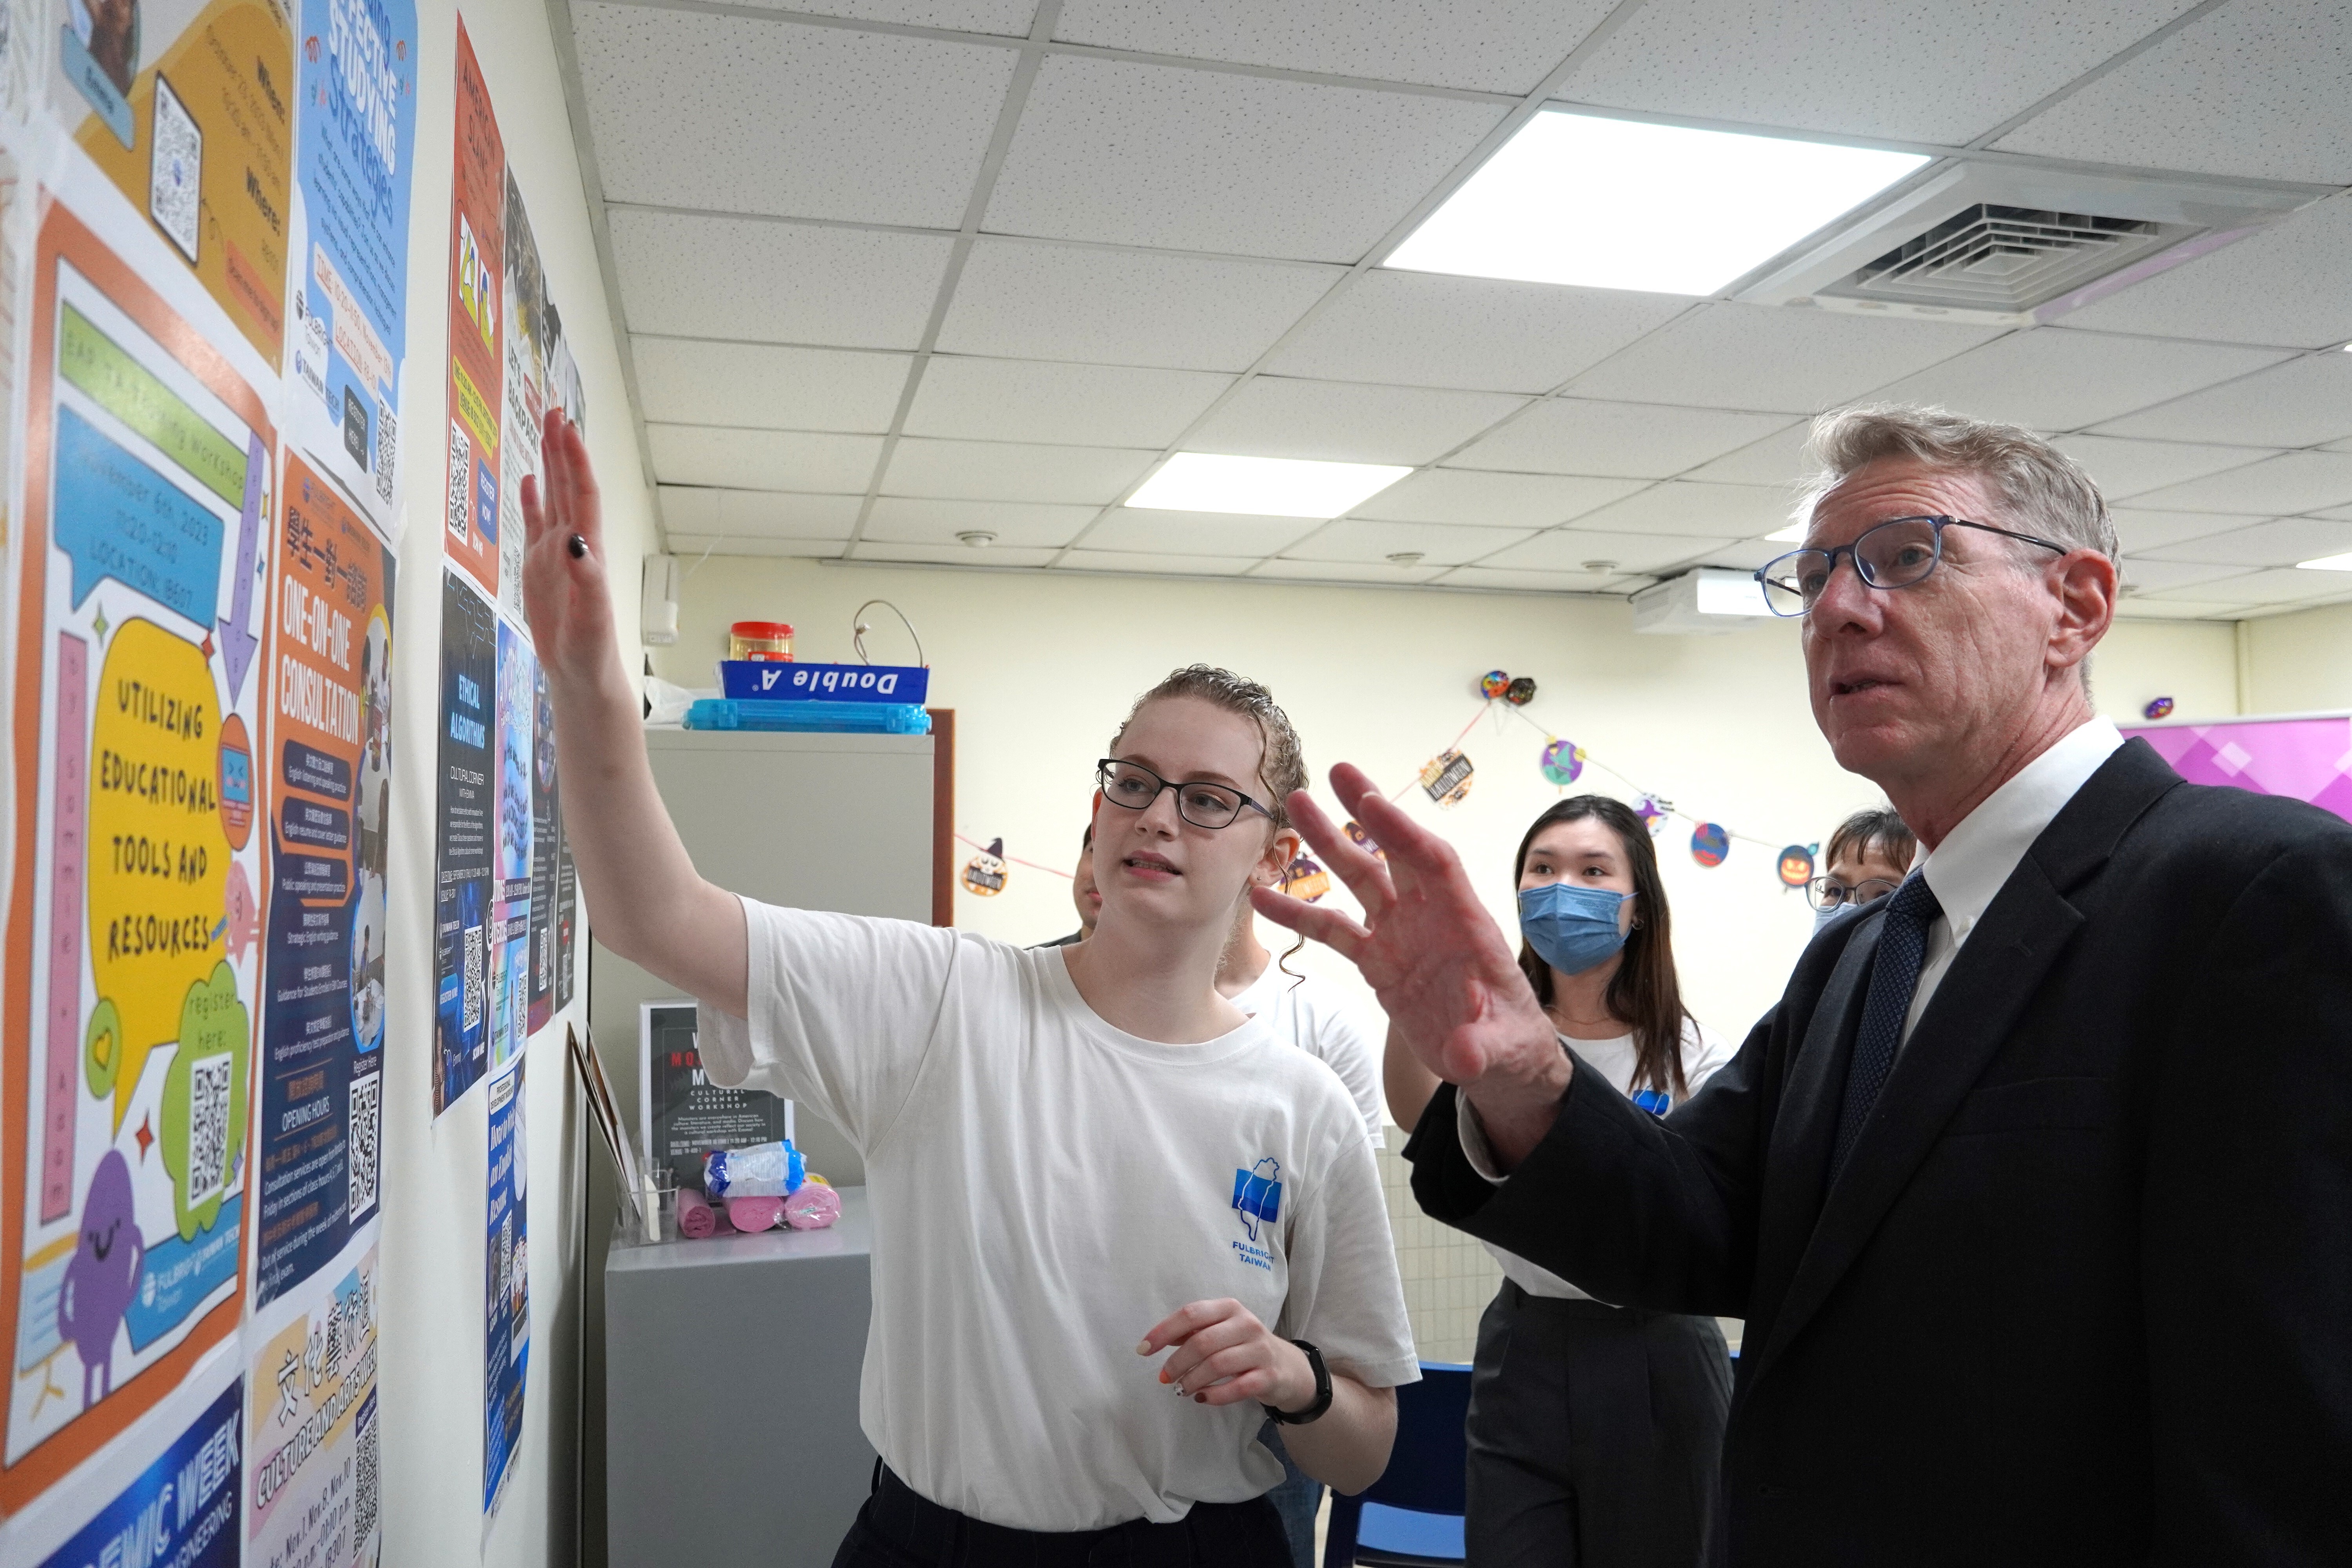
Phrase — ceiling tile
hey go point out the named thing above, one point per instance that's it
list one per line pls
(1747, 555)
(1568, 548)
(2125, 469)
(1195, 160)
(1770, 357)
(2285, 585)
(689, 382)
(950, 554)
(1631, 440)
(1375, 574)
(2142, 531)
(1005, 16)
(1346, 422)
(1911, 70)
(2290, 482)
(1688, 507)
(743, 280)
(1527, 581)
(1491, 45)
(736, 114)
(903, 519)
(2142, 575)
(1195, 532)
(2303, 403)
(1491, 499)
(1030, 300)
(2280, 285)
(1423, 328)
(999, 470)
(1778, 459)
(761, 459)
(2280, 543)
(1438, 544)
(2140, 608)
(2055, 378)
(2244, 89)
(1159, 565)
(756, 514)
(1060, 404)
(695, 545)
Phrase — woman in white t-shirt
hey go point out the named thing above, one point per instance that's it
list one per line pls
(1065, 1149)
(1596, 1432)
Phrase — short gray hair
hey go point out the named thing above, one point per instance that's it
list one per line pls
(2042, 489)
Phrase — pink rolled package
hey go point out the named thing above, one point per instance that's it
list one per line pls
(754, 1214)
(814, 1207)
(694, 1218)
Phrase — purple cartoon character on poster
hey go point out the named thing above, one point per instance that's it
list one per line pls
(102, 1277)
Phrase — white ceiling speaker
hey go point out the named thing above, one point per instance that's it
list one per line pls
(978, 538)
(2015, 245)
(1702, 602)
(1405, 557)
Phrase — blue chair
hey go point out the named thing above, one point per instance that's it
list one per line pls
(1412, 1514)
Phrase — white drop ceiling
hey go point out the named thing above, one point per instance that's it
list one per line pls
(896, 273)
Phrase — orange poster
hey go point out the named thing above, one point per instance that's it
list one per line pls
(477, 255)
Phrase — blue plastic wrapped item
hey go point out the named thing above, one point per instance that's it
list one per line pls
(826, 718)
(761, 1170)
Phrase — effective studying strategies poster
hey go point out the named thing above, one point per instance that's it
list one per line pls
(131, 956)
(465, 826)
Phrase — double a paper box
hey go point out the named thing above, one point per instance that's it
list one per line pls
(764, 682)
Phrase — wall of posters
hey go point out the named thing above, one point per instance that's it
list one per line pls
(464, 823)
(322, 1068)
(506, 1288)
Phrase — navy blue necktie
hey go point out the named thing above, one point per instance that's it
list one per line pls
(1894, 977)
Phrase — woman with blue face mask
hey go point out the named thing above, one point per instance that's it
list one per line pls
(1595, 1431)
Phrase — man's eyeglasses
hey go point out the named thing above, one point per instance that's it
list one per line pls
(1829, 893)
(1134, 786)
(1901, 553)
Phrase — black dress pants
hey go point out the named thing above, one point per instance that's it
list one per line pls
(1596, 1435)
(900, 1527)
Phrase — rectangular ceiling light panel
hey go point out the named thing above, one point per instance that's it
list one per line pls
(1267, 486)
(1622, 204)
(2327, 563)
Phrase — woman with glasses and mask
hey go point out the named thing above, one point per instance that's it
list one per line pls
(1117, 1223)
(1869, 856)
(1595, 1432)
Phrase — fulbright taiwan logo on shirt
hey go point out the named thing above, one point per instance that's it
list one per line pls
(1257, 1199)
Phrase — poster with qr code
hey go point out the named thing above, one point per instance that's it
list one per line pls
(139, 773)
(506, 1286)
(165, 1497)
(465, 824)
(329, 812)
(478, 326)
(348, 232)
(311, 1491)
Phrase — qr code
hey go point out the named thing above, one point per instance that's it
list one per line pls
(461, 481)
(367, 1096)
(208, 1090)
(176, 172)
(387, 448)
(474, 986)
(367, 1481)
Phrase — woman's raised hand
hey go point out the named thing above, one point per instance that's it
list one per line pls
(566, 594)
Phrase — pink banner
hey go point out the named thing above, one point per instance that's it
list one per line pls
(2310, 759)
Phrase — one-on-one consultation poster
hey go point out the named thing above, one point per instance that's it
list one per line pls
(462, 892)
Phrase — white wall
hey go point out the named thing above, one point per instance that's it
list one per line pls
(2300, 663)
(431, 1378)
(1041, 670)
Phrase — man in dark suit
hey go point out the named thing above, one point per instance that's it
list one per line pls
(2035, 1187)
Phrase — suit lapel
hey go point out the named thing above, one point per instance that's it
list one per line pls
(2029, 923)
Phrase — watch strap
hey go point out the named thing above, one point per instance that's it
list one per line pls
(1322, 1401)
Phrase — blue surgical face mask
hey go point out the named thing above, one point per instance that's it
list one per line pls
(1571, 928)
(1823, 916)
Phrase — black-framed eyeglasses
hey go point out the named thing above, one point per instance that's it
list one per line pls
(1829, 893)
(1204, 804)
(1901, 553)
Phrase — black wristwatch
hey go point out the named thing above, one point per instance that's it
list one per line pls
(1322, 1402)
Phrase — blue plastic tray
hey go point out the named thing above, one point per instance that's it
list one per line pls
(823, 718)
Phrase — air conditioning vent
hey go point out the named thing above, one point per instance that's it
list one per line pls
(1991, 257)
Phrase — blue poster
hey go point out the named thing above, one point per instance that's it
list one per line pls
(464, 831)
(181, 1510)
(511, 881)
(350, 250)
(506, 1288)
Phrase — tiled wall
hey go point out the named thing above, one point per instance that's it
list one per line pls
(1448, 1278)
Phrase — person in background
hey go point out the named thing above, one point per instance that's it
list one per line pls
(1313, 1015)
(1596, 1432)
(1869, 855)
(1083, 893)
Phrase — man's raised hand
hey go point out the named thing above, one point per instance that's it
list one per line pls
(566, 594)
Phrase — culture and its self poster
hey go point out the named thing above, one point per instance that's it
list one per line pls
(311, 1445)
(130, 958)
(477, 327)
(511, 878)
(174, 1510)
(506, 1294)
(350, 227)
(464, 827)
(188, 108)
(330, 767)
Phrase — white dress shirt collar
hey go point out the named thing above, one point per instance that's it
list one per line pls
(1968, 869)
